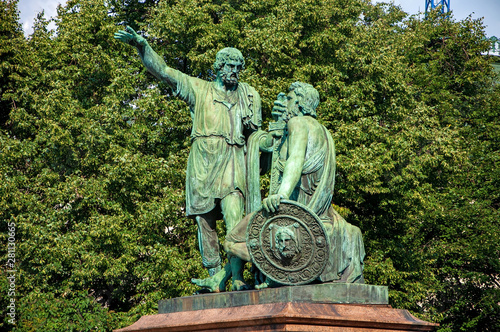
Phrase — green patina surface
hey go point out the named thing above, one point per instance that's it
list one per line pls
(346, 293)
(302, 171)
(224, 114)
(220, 175)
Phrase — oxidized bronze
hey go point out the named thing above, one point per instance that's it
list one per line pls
(289, 246)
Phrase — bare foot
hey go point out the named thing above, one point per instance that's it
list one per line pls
(239, 285)
(268, 283)
(215, 283)
(262, 285)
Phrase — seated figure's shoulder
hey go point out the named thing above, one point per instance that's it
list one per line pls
(295, 123)
(305, 122)
(298, 127)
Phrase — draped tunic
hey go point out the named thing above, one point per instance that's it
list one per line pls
(222, 120)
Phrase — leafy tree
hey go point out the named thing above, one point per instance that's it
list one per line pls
(93, 151)
(91, 183)
(10, 49)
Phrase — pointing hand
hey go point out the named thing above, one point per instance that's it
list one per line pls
(130, 37)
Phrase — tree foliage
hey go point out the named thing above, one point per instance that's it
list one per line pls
(11, 40)
(93, 151)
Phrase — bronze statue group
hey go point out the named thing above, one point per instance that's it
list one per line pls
(228, 153)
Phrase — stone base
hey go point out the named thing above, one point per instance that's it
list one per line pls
(314, 308)
(319, 293)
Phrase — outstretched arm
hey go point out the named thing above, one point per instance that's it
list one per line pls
(151, 60)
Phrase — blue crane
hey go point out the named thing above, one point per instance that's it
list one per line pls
(433, 4)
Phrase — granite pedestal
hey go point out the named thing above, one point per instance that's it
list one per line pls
(315, 308)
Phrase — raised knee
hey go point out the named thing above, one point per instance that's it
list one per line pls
(228, 246)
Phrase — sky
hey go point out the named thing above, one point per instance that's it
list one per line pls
(489, 9)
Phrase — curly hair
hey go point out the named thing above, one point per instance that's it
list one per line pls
(309, 97)
(226, 54)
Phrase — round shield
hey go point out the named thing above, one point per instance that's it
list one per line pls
(290, 245)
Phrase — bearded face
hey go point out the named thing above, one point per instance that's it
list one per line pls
(230, 72)
(286, 106)
(292, 105)
(285, 243)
